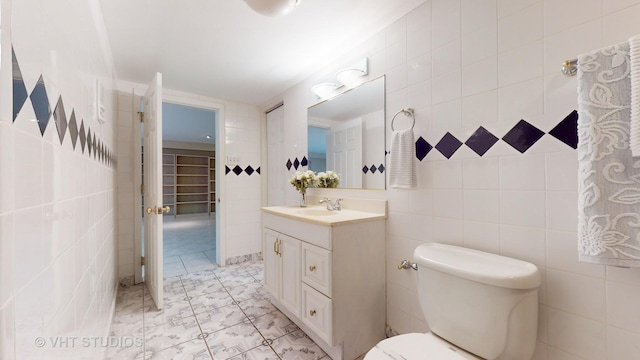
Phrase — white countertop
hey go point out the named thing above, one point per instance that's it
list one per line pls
(320, 214)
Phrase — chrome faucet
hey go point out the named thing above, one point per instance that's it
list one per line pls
(331, 206)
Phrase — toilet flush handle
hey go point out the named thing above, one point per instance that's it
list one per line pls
(406, 264)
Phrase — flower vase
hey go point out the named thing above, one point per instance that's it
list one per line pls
(303, 200)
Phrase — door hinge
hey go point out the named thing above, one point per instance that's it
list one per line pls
(142, 189)
(141, 260)
(141, 116)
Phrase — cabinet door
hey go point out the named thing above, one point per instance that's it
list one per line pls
(271, 262)
(290, 268)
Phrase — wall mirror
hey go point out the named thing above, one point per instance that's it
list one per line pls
(346, 134)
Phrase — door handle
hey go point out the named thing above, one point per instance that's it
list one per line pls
(157, 210)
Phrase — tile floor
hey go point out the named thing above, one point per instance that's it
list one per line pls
(189, 244)
(209, 312)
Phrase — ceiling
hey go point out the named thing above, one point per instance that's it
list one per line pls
(222, 49)
(188, 124)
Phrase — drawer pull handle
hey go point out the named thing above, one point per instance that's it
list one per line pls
(312, 268)
(312, 312)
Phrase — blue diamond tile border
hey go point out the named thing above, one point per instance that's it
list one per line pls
(39, 101)
(448, 145)
(481, 141)
(522, 136)
(567, 130)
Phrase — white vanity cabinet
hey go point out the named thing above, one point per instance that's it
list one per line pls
(329, 278)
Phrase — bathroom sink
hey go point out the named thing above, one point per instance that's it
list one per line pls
(316, 212)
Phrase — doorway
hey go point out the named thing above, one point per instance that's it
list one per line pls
(189, 188)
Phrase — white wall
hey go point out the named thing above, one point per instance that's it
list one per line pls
(468, 63)
(57, 219)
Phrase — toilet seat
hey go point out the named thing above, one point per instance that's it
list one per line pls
(416, 346)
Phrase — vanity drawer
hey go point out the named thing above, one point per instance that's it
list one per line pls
(316, 268)
(317, 312)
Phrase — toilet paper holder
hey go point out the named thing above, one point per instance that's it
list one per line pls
(406, 264)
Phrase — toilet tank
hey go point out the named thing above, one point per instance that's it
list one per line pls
(484, 303)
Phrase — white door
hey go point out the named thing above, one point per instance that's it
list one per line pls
(344, 152)
(277, 174)
(152, 181)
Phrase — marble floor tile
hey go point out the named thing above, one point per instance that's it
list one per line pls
(263, 352)
(169, 334)
(190, 350)
(297, 345)
(234, 340)
(220, 318)
(274, 325)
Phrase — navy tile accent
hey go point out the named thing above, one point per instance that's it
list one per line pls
(304, 161)
(448, 145)
(43, 113)
(249, 170)
(522, 136)
(226, 170)
(365, 169)
(73, 129)
(237, 170)
(296, 163)
(289, 164)
(19, 89)
(60, 118)
(567, 130)
(481, 141)
(40, 103)
(83, 135)
(381, 168)
(373, 169)
(89, 141)
(422, 148)
(258, 170)
(94, 145)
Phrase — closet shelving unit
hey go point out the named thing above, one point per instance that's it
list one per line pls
(188, 183)
(192, 184)
(169, 182)
(212, 184)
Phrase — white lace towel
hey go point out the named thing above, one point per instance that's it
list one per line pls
(402, 173)
(634, 56)
(609, 178)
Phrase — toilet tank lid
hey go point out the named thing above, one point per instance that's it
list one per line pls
(479, 266)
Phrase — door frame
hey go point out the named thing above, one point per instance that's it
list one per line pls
(185, 100)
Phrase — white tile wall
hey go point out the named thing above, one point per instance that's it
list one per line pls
(57, 216)
(518, 205)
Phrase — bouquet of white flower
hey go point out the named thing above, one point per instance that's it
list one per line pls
(301, 180)
(329, 179)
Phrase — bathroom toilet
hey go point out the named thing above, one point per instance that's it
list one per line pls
(477, 305)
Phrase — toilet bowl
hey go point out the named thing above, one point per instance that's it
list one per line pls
(478, 306)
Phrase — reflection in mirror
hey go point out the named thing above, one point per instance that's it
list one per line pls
(346, 134)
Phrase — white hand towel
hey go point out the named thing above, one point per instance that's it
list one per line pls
(609, 178)
(634, 56)
(402, 172)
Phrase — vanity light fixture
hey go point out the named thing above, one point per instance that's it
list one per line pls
(348, 78)
(272, 7)
(325, 90)
(353, 75)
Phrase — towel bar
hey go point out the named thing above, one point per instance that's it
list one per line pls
(406, 112)
(570, 67)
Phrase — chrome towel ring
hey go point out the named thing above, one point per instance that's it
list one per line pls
(406, 112)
